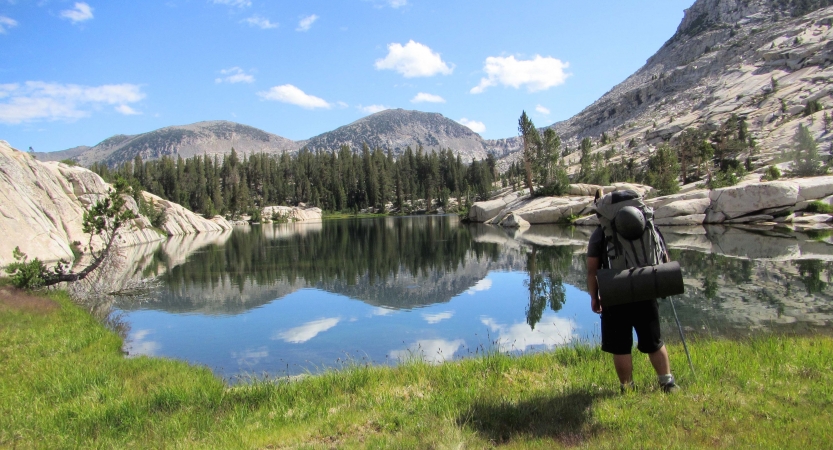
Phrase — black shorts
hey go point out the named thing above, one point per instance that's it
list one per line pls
(619, 321)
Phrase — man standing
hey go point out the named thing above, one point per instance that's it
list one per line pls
(619, 322)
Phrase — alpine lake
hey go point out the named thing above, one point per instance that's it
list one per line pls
(281, 300)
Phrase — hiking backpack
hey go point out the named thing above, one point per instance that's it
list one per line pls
(648, 249)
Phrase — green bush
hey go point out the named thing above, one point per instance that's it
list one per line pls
(819, 207)
(771, 173)
(148, 209)
(26, 274)
(255, 215)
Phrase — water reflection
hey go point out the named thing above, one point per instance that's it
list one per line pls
(295, 298)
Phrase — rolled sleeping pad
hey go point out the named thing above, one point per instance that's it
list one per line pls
(642, 283)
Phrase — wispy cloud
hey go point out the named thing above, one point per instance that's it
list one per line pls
(549, 332)
(37, 100)
(234, 3)
(413, 60)
(138, 345)
(432, 351)
(382, 311)
(6, 23)
(543, 110)
(537, 74)
(372, 109)
(307, 331)
(288, 93)
(477, 127)
(250, 357)
(424, 97)
(234, 75)
(80, 13)
(395, 4)
(127, 110)
(482, 285)
(438, 317)
(260, 22)
(306, 23)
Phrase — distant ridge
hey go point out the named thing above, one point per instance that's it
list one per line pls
(201, 138)
(397, 129)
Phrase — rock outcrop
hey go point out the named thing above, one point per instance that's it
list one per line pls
(42, 206)
(291, 213)
(780, 203)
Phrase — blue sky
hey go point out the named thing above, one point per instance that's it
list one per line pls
(75, 73)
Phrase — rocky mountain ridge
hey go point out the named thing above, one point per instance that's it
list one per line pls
(762, 60)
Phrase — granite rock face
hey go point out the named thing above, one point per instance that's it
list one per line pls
(761, 60)
(292, 213)
(42, 206)
(781, 202)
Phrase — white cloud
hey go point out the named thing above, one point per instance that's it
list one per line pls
(235, 3)
(38, 100)
(6, 23)
(307, 331)
(306, 23)
(438, 317)
(127, 110)
(395, 4)
(432, 351)
(382, 311)
(477, 127)
(250, 357)
(543, 110)
(288, 93)
(342, 104)
(372, 109)
(260, 22)
(234, 75)
(536, 74)
(80, 13)
(413, 60)
(428, 98)
(549, 332)
(138, 345)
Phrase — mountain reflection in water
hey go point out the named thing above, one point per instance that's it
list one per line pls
(285, 299)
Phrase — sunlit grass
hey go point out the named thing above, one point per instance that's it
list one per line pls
(65, 383)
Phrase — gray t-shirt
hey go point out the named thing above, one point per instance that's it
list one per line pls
(596, 246)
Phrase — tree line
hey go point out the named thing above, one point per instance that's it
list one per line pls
(338, 181)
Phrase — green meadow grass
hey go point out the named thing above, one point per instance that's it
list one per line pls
(64, 383)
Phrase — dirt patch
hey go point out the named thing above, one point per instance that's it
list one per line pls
(13, 298)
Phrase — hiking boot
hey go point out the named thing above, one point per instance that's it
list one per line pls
(669, 388)
(625, 388)
(668, 384)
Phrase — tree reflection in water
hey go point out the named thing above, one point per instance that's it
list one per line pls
(547, 267)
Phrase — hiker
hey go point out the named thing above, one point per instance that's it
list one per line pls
(619, 320)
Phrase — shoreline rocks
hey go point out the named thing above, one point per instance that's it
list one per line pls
(42, 205)
(772, 203)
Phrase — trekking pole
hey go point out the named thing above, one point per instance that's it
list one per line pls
(680, 327)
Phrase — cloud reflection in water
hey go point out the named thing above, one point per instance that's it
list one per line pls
(309, 330)
(137, 345)
(550, 332)
(432, 351)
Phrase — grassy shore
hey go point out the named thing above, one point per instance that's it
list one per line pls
(65, 383)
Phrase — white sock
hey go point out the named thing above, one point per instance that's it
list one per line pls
(666, 379)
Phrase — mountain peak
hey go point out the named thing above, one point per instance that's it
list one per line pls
(398, 129)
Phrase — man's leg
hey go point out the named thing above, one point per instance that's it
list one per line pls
(624, 368)
(659, 359)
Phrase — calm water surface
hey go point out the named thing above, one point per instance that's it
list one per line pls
(291, 299)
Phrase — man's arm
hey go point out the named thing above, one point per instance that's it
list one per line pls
(593, 265)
